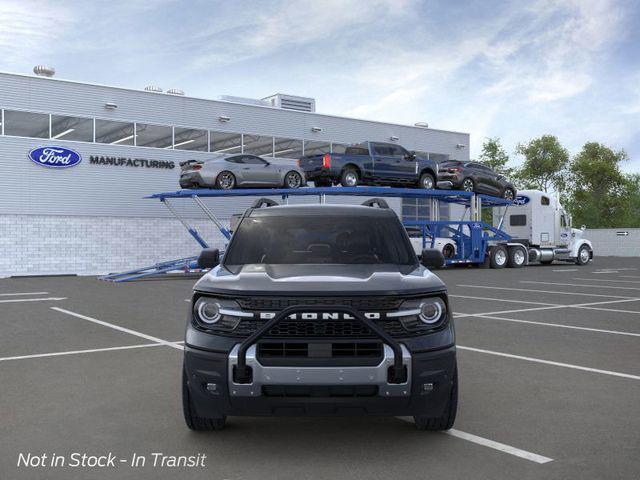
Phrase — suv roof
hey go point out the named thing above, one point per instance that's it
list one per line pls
(347, 210)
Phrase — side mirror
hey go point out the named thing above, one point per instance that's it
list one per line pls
(432, 258)
(209, 258)
(410, 156)
(583, 228)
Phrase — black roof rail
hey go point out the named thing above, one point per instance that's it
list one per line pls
(379, 202)
(267, 202)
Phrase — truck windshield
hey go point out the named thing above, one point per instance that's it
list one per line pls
(319, 240)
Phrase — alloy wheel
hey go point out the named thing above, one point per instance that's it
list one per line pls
(293, 180)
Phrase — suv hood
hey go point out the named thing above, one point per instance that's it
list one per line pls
(320, 280)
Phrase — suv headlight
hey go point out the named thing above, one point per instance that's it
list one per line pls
(217, 314)
(424, 313)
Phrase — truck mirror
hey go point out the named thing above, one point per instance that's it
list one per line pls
(583, 228)
(209, 258)
(432, 258)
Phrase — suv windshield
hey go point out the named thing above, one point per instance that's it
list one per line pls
(340, 239)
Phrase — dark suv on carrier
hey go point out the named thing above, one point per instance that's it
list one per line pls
(320, 310)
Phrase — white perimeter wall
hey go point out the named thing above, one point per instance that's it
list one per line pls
(612, 242)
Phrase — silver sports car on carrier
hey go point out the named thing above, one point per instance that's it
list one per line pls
(241, 170)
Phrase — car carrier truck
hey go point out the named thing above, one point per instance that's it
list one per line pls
(540, 231)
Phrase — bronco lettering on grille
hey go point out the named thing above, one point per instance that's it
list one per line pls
(320, 316)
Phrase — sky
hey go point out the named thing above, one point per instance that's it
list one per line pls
(514, 70)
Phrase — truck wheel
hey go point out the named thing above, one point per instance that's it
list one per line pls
(517, 257)
(349, 178)
(427, 182)
(499, 257)
(192, 420)
(225, 180)
(584, 255)
(448, 417)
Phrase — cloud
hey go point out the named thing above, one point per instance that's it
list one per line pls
(30, 29)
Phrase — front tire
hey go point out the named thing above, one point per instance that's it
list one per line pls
(448, 417)
(349, 178)
(508, 194)
(293, 180)
(427, 182)
(584, 255)
(225, 180)
(499, 257)
(194, 422)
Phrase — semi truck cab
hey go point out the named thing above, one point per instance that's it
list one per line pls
(538, 221)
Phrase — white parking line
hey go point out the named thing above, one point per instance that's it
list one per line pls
(502, 300)
(48, 299)
(566, 270)
(558, 325)
(27, 293)
(119, 328)
(485, 442)
(581, 285)
(78, 352)
(549, 362)
(605, 280)
(548, 291)
(629, 276)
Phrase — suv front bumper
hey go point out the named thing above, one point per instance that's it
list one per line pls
(214, 393)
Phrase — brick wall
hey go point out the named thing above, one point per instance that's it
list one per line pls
(50, 245)
(611, 242)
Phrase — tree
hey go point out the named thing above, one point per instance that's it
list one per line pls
(494, 156)
(600, 194)
(545, 164)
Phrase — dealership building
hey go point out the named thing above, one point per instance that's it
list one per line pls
(92, 217)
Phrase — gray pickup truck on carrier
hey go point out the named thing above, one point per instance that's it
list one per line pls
(371, 163)
(320, 310)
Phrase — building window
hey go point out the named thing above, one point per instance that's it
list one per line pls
(115, 133)
(190, 139)
(71, 128)
(316, 148)
(257, 145)
(287, 148)
(26, 124)
(157, 136)
(225, 142)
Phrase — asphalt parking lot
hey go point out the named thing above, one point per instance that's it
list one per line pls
(549, 365)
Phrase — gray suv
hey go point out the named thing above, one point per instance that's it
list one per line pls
(320, 310)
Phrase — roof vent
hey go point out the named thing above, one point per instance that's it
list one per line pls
(43, 71)
(175, 91)
(291, 102)
(153, 88)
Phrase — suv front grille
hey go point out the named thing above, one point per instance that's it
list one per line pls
(371, 304)
(319, 328)
(330, 350)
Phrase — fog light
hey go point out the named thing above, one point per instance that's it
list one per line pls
(212, 387)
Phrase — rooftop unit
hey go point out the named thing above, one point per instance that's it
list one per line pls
(291, 102)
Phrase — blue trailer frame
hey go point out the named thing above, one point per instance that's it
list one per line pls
(472, 237)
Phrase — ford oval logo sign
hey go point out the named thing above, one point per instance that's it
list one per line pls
(521, 200)
(55, 157)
